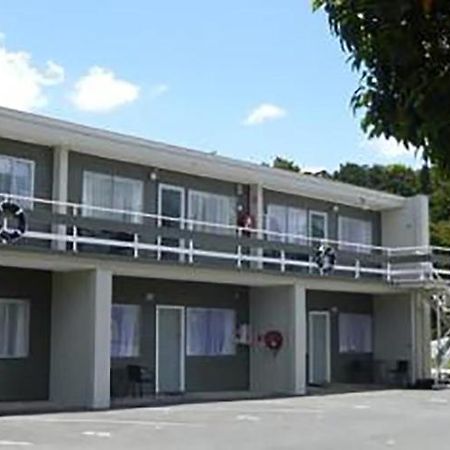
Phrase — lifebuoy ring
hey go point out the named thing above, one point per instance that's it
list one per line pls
(9, 235)
(273, 340)
(325, 258)
(247, 223)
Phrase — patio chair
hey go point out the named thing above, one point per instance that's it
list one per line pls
(138, 376)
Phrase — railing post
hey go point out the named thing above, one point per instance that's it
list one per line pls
(158, 248)
(388, 267)
(283, 261)
(75, 231)
(136, 245)
(191, 251)
(357, 269)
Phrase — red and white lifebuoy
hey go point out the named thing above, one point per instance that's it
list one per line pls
(273, 340)
(247, 222)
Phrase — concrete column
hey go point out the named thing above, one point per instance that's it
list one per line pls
(281, 308)
(407, 226)
(60, 188)
(257, 211)
(422, 335)
(80, 339)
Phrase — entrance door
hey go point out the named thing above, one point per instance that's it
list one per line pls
(171, 204)
(319, 347)
(170, 348)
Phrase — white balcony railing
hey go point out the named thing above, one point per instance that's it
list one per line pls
(65, 226)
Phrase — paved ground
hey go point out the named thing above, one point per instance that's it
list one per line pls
(376, 420)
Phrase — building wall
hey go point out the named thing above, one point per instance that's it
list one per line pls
(202, 373)
(79, 162)
(27, 378)
(271, 197)
(343, 365)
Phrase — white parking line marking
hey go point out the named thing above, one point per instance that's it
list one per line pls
(101, 434)
(16, 443)
(248, 418)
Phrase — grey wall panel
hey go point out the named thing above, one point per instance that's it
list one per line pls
(28, 378)
(202, 373)
(345, 367)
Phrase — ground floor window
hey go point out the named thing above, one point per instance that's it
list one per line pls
(125, 331)
(355, 333)
(211, 332)
(14, 328)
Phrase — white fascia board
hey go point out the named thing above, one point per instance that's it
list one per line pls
(50, 132)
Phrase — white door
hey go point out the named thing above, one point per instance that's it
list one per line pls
(319, 347)
(170, 348)
(171, 205)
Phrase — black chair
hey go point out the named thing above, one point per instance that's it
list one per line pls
(138, 376)
(400, 373)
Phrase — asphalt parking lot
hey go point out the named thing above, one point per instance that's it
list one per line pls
(374, 420)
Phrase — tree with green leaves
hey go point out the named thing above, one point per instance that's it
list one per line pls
(401, 48)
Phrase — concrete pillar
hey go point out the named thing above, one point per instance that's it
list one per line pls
(421, 317)
(407, 226)
(281, 308)
(80, 339)
(257, 211)
(60, 188)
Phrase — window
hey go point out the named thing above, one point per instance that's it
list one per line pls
(318, 225)
(14, 328)
(17, 178)
(355, 333)
(212, 208)
(125, 331)
(112, 192)
(284, 219)
(357, 231)
(211, 332)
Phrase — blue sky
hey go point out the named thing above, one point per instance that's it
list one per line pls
(249, 79)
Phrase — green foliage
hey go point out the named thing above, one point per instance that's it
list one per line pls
(401, 48)
(285, 164)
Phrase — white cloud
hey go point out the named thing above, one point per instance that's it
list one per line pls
(22, 83)
(101, 91)
(264, 113)
(388, 148)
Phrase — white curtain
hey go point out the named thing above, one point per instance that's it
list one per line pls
(276, 222)
(355, 333)
(211, 332)
(125, 331)
(297, 225)
(16, 177)
(112, 192)
(212, 208)
(14, 328)
(356, 231)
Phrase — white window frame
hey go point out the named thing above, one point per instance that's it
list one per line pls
(322, 214)
(26, 204)
(182, 191)
(25, 302)
(286, 235)
(218, 229)
(88, 212)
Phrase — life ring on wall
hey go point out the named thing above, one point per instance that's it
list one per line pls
(273, 340)
(247, 222)
(11, 209)
(325, 258)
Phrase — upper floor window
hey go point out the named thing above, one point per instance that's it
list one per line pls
(286, 223)
(214, 209)
(17, 178)
(356, 231)
(318, 225)
(112, 192)
(14, 328)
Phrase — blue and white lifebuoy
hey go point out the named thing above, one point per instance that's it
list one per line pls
(325, 258)
(11, 209)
